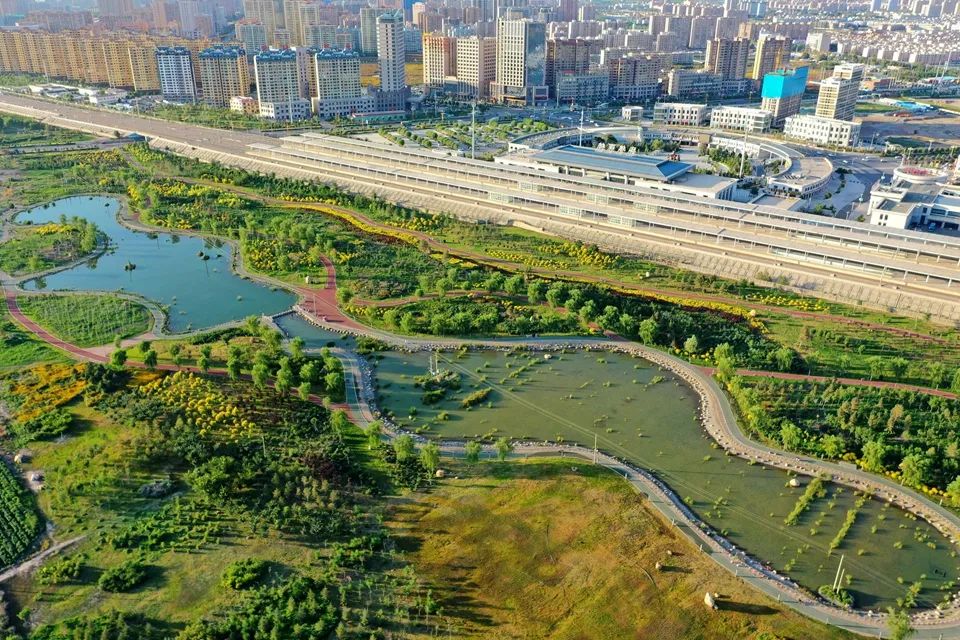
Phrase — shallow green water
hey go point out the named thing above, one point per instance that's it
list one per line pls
(579, 396)
(199, 293)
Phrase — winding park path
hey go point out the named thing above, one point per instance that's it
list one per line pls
(319, 305)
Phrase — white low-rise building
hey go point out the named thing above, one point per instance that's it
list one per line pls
(825, 131)
(680, 113)
(741, 119)
(916, 204)
(245, 104)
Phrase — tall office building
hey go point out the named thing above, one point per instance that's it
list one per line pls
(338, 91)
(728, 58)
(391, 58)
(439, 58)
(223, 75)
(368, 30)
(838, 94)
(278, 85)
(476, 66)
(521, 63)
(252, 35)
(782, 92)
(175, 72)
(773, 52)
(268, 13)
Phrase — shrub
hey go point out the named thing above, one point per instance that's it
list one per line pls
(242, 574)
(123, 577)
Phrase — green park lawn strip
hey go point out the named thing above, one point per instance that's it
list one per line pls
(87, 320)
(19, 347)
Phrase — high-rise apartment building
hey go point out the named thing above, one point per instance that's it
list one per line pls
(292, 21)
(368, 30)
(251, 35)
(338, 90)
(567, 10)
(634, 77)
(439, 58)
(476, 66)
(838, 94)
(391, 59)
(728, 58)
(521, 63)
(321, 36)
(268, 13)
(773, 52)
(782, 92)
(115, 8)
(223, 75)
(143, 67)
(175, 71)
(278, 86)
(569, 57)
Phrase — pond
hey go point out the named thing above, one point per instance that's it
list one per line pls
(634, 410)
(170, 271)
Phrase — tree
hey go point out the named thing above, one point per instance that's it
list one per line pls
(203, 363)
(234, 367)
(938, 373)
(309, 371)
(373, 431)
(898, 366)
(833, 446)
(403, 448)
(898, 622)
(150, 359)
(955, 382)
(692, 345)
(536, 291)
(648, 330)
(791, 436)
(144, 346)
(303, 391)
(333, 381)
(953, 492)
(875, 367)
(556, 294)
(430, 456)
(873, 454)
(504, 447)
(514, 284)
(260, 373)
(296, 348)
(914, 469)
(118, 358)
(784, 358)
(284, 381)
(473, 450)
(726, 366)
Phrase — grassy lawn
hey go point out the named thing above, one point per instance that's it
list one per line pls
(19, 347)
(873, 107)
(21, 132)
(87, 320)
(540, 550)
